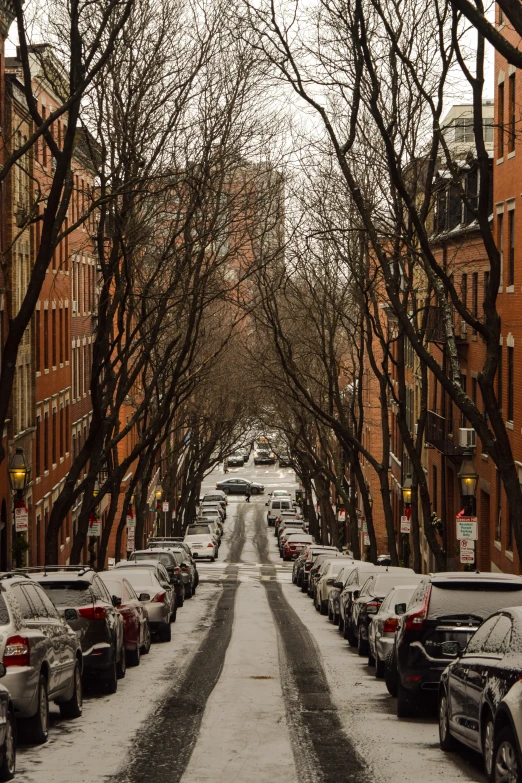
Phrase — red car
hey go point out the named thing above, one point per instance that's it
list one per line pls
(136, 631)
(294, 543)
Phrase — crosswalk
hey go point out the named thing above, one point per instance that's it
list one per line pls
(245, 572)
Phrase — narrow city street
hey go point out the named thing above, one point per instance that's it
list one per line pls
(255, 686)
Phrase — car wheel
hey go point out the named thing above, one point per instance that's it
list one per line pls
(180, 599)
(147, 643)
(379, 667)
(165, 633)
(174, 614)
(188, 592)
(323, 607)
(488, 745)
(8, 765)
(121, 668)
(446, 740)
(110, 679)
(362, 644)
(212, 559)
(36, 729)
(134, 656)
(330, 614)
(371, 659)
(336, 619)
(507, 764)
(407, 703)
(304, 588)
(390, 673)
(74, 707)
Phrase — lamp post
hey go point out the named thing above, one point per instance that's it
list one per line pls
(468, 478)
(93, 519)
(19, 472)
(406, 490)
(159, 493)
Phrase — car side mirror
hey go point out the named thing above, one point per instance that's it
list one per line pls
(144, 597)
(451, 650)
(71, 615)
(2, 670)
(115, 600)
(400, 608)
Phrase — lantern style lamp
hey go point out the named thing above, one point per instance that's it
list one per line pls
(18, 472)
(406, 491)
(468, 478)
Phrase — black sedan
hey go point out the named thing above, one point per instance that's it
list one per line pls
(7, 733)
(238, 486)
(236, 461)
(479, 695)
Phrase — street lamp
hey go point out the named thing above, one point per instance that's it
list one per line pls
(406, 491)
(468, 478)
(18, 472)
(159, 493)
(370, 501)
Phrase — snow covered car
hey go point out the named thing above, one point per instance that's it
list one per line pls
(202, 547)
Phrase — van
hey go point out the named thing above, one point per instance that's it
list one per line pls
(275, 508)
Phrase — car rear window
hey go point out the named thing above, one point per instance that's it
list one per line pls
(276, 504)
(162, 557)
(195, 530)
(4, 612)
(383, 584)
(138, 578)
(472, 598)
(75, 593)
(198, 539)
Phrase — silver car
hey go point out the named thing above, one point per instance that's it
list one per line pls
(381, 632)
(154, 591)
(42, 656)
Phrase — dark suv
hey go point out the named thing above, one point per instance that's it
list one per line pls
(97, 623)
(168, 559)
(443, 614)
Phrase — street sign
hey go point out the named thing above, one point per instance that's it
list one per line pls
(366, 539)
(95, 528)
(467, 543)
(21, 519)
(131, 522)
(342, 515)
(130, 538)
(165, 506)
(405, 525)
(467, 527)
(365, 527)
(467, 553)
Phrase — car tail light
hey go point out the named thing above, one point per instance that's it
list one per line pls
(390, 625)
(16, 651)
(308, 566)
(177, 570)
(92, 612)
(212, 545)
(160, 597)
(185, 568)
(372, 607)
(415, 621)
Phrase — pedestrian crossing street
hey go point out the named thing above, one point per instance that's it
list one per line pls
(245, 572)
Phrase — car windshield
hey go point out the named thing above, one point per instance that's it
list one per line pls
(306, 539)
(162, 557)
(472, 598)
(139, 578)
(384, 584)
(68, 593)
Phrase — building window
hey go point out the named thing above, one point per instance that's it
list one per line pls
(463, 380)
(464, 290)
(500, 245)
(434, 488)
(53, 336)
(512, 113)
(474, 296)
(54, 443)
(46, 339)
(499, 379)
(67, 426)
(501, 120)
(509, 543)
(62, 431)
(38, 446)
(511, 383)
(511, 226)
(37, 341)
(60, 336)
(46, 442)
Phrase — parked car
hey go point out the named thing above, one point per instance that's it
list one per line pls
(238, 486)
(275, 506)
(313, 574)
(285, 460)
(236, 460)
(86, 604)
(32, 636)
(212, 508)
(187, 564)
(201, 527)
(153, 592)
(213, 519)
(372, 594)
(7, 731)
(202, 546)
(294, 543)
(381, 635)
(292, 530)
(327, 577)
(136, 631)
(217, 497)
(303, 575)
(173, 542)
(168, 560)
(279, 493)
(480, 695)
(443, 614)
(337, 586)
(351, 593)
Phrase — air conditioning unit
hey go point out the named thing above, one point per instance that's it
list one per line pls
(74, 306)
(467, 437)
(463, 327)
